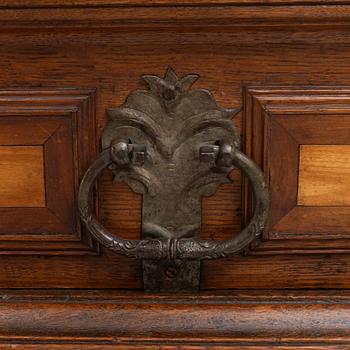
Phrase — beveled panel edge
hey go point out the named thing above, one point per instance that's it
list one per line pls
(266, 99)
(79, 104)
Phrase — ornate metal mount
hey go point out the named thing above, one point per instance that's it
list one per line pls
(173, 145)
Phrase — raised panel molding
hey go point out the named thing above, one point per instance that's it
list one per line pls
(278, 123)
(61, 123)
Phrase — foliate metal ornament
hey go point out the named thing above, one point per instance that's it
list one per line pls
(173, 145)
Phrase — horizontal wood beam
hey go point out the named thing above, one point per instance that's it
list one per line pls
(184, 17)
(260, 318)
(119, 3)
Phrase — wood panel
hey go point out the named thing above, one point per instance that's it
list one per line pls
(324, 175)
(280, 124)
(41, 165)
(22, 176)
(107, 46)
(230, 47)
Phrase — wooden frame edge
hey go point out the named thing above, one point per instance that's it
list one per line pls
(240, 317)
(203, 18)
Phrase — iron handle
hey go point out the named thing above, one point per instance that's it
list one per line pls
(183, 248)
(172, 144)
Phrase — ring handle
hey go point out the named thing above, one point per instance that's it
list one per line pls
(182, 248)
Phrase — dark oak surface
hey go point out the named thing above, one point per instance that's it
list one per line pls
(117, 3)
(111, 62)
(102, 319)
(245, 51)
(61, 122)
(181, 18)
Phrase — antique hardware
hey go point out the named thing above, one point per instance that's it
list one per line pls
(173, 145)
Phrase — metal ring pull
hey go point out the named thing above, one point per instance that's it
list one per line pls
(183, 248)
(174, 145)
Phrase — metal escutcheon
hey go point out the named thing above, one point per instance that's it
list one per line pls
(174, 145)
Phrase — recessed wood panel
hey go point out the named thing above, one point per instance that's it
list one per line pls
(22, 176)
(46, 143)
(324, 175)
(301, 138)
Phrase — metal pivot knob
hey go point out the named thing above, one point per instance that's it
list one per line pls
(173, 145)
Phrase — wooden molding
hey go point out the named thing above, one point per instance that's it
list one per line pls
(62, 123)
(152, 3)
(277, 121)
(106, 318)
(169, 15)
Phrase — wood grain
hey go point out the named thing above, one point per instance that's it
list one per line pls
(179, 18)
(106, 45)
(239, 319)
(60, 122)
(118, 3)
(280, 120)
(165, 345)
(231, 47)
(324, 175)
(22, 176)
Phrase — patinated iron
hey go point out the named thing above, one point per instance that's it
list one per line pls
(172, 144)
